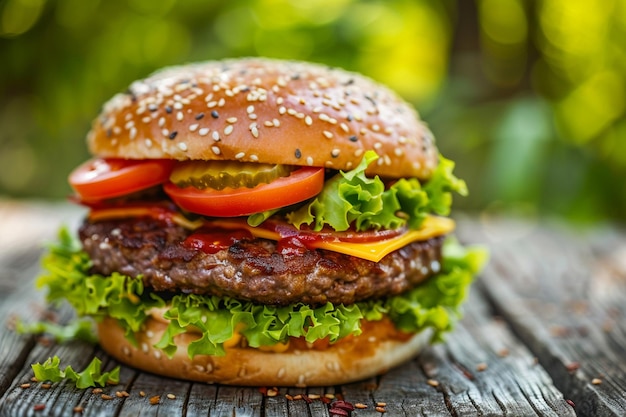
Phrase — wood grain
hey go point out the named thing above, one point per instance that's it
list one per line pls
(543, 334)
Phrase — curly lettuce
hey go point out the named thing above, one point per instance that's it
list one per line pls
(91, 376)
(352, 198)
(434, 304)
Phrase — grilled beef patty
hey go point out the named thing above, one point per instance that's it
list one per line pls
(255, 269)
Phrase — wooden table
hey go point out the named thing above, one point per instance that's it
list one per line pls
(543, 334)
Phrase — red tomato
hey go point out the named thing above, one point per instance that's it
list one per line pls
(302, 184)
(99, 178)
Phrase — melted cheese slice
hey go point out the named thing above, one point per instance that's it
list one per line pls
(375, 251)
(433, 226)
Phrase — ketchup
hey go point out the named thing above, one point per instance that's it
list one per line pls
(213, 240)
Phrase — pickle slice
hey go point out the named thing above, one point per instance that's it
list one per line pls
(221, 174)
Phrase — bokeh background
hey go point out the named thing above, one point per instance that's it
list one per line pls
(528, 96)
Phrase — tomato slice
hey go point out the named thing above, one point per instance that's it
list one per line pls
(102, 178)
(300, 185)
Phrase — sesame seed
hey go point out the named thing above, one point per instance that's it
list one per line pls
(433, 382)
(353, 138)
(183, 147)
(221, 102)
(216, 150)
(165, 132)
(215, 135)
(152, 107)
(308, 120)
(279, 100)
(204, 131)
(268, 123)
(171, 396)
(254, 130)
(309, 160)
(252, 116)
(324, 117)
(146, 119)
(344, 127)
(298, 153)
(199, 116)
(173, 135)
(276, 122)
(193, 127)
(133, 132)
(250, 109)
(179, 116)
(228, 130)
(328, 134)
(232, 120)
(209, 97)
(211, 104)
(398, 152)
(178, 105)
(215, 114)
(291, 112)
(240, 155)
(375, 127)
(161, 121)
(254, 158)
(335, 153)
(282, 110)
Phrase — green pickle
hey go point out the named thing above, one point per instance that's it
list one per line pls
(221, 174)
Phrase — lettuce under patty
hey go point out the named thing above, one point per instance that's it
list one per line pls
(352, 198)
(433, 304)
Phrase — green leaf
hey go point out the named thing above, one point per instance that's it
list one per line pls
(75, 330)
(351, 199)
(91, 376)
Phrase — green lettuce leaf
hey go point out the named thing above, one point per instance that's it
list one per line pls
(75, 330)
(91, 376)
(352, 198)
(434, 304)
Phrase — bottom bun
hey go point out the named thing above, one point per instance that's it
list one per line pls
(379, 348)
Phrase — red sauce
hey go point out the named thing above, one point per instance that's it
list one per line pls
(215, 239)
(329, 235)
(293, 245)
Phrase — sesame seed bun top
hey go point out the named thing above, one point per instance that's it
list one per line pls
(264, 110)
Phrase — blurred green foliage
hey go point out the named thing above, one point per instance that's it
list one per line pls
(528, 96)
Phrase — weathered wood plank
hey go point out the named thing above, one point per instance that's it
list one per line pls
(238, 401)
(480, 370)
(566, 302)
(546, 294)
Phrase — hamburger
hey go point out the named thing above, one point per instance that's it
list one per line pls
(262, 222)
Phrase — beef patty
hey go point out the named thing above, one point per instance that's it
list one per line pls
(253, 269)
